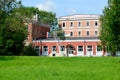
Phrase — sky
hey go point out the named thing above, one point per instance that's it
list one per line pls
(68, 7)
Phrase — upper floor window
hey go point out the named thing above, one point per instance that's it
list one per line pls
(96, 23)
(88, 23)
(71, 33)
(71, 24)
(79, 24)
(63, 24)
(96, 33)
(87, 33)
(79, 33)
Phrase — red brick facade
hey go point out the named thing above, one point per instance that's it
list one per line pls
(81, 32)
(37, 31)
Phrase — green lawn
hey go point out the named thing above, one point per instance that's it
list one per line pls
(60, 68)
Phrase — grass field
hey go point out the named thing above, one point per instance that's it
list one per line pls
(60, 68)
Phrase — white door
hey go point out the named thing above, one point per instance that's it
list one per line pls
(45, 51)
(89, 50)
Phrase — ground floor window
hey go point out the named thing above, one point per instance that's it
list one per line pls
(89, 48)
(99, 48)
(62, 48)
(45, 48)
(53, 48)
(80, 48)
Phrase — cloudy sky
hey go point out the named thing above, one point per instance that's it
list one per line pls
(68, 7)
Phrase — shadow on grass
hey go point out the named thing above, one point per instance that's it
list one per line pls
(7, 57)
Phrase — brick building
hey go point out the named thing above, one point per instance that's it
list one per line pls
(36, 31)
(81, 32)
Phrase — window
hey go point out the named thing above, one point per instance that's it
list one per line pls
(45, 48)
(71, 33)
(96, 23)
(88, 23)
(63, 25)
(53, 48)
(87, 33)
(89, 48)
(36, 47)
(96, 33)
(99, 48)
(80, 48)
(79, 24)
(71, 24)
(62, 48)
(79, 33)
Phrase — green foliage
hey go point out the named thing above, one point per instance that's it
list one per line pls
(43, 16)
(28, 50)
(12, 30)
(110, 26)
(47, 17)
(60, 68)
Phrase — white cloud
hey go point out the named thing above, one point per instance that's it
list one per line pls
(47, 6)
(72, 11)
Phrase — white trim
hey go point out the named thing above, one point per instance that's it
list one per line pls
(87, 40)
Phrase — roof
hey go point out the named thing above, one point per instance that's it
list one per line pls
(79, 16)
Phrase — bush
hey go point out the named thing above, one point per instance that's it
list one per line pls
(29, 51)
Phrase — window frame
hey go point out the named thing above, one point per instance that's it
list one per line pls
(80, 48)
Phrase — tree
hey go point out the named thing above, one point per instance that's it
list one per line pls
(12, 30)
(110, 26)
(45, 17)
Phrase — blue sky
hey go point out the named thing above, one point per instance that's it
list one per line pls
(68, 7)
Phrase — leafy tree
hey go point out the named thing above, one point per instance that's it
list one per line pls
(13, 15)
(43, 16)
(12, 30)
(110, 26)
